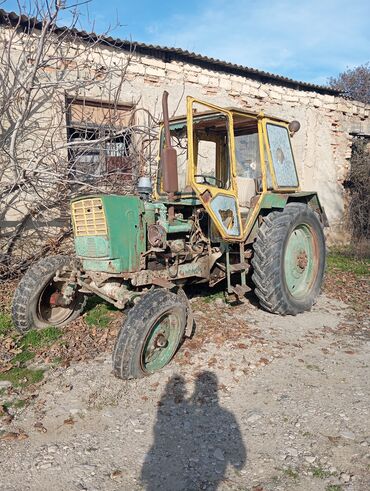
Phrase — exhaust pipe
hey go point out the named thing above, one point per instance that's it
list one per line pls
(168, 160)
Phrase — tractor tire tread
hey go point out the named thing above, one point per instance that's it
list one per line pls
(266, 261)
(127, 349)
(31, 280)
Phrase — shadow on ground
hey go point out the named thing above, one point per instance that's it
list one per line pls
(195, 439)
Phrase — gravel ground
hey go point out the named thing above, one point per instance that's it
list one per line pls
(279, 404)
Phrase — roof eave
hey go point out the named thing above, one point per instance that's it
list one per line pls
(168, 54)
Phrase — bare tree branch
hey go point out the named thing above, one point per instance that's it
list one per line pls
(63, 129)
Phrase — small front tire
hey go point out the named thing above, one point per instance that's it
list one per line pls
(31, 302)
(150, 336)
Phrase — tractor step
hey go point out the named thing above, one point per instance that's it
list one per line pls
(240, 290)
(239, 267)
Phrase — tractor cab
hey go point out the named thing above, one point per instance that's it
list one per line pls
(228, 159)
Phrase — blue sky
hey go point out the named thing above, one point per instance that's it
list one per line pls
(302, 39)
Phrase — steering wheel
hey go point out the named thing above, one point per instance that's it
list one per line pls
(205, 178)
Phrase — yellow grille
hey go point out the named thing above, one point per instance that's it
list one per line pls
(88, 217)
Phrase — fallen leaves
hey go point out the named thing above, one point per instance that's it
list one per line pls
(13, 435)
(5, 416)
(116, 474)
(40, 427)
(79, 341)
(70, 421)
(349, 288)
(333, 439)
(6, 367)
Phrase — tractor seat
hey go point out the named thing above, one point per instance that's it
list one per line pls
(246, 191)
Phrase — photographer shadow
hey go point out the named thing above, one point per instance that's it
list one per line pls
(195, 439)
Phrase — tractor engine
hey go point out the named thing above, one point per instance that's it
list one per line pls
(130, 240)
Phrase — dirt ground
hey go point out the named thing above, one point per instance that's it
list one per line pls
(254, 402)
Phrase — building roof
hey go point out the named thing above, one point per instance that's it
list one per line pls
(168, 54)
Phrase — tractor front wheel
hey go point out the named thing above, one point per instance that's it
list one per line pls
(33, 303)
(289, 260)
(150, 336)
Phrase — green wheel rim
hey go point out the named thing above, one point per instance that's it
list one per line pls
(162, 341)
(300, 261)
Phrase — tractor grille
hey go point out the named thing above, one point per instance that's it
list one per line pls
(88, 217)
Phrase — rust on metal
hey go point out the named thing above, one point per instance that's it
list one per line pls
(189, 313)
(206, 196)
(302, 260)
(156, 235)
(162, 282)
(55, 299)
(169, 155)
(160, 341)
(241, 290)
(239, 267)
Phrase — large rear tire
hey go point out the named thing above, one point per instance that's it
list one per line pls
(31, 303)
(289, 260)
(150, 336)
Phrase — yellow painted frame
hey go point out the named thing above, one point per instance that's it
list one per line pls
(214, 191)
(262, 121)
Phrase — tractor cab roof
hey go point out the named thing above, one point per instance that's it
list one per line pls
(235, 111)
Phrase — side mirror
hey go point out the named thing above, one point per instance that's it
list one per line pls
(294, 126)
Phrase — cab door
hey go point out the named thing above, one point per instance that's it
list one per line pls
(211, 156)
(282, 165)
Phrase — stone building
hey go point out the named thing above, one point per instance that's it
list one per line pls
(328, 121)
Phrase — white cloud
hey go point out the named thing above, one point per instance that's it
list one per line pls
(308, 40)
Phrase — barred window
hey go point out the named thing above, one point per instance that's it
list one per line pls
(100, 148)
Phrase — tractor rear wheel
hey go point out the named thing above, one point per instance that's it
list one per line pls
(289, 260)
(150, 336)
(33, 305)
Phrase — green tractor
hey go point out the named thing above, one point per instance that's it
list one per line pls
(226, 207)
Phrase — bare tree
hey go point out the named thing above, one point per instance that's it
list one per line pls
(62, 128)
(354, 83)
(358, 184)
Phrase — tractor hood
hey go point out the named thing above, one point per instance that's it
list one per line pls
(109, 232)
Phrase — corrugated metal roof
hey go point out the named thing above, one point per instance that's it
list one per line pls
(169, 54)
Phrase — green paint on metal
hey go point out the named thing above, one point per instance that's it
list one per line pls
(126, 239)
(178, 126)
(104, 265)
(96, 246)
(279, 200)
(162, 342)
(150, 211)
(178, 226)
(300, 264)
(274, 200)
